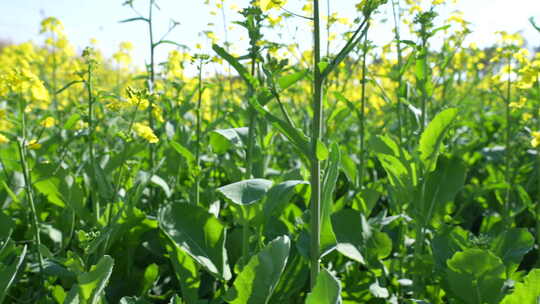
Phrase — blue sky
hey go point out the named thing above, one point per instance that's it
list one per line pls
(86, 19)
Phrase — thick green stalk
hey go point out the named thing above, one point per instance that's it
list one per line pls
(151, 79)
(89, 91)
(537, 114)
(400, 64)
(196, 190)
(316, 132)
(506, 211)
(249, 155)
(363, 112)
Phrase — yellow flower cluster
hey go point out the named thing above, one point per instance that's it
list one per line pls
(48, 122)
(144, 131)
(535, 141)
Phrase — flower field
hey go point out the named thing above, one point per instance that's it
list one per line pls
(344, 171)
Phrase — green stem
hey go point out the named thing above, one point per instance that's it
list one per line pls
(196, 190)
(89, 90)
(315, 204)
(363, 111)
(537, 116)
(506, 215)
(399, 94)
(151, 80)
(21, 145)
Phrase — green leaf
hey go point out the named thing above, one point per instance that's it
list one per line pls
(433, 135)
(328, 239)
(447, 242)
(349, 168)
(475, 276)
(441, 187)
(322, 66)
(511, 246)
(9, 266)
(322, 151)
(183, 151)
(160, 182)
(378, 246)
(286, 81)
(224, 139)
(295, 135)
(72, 120)
(420, 71)
(186, 272)
(347, 227)
(242, 71)
(49, 187)
(258, 279)
(92, 283)
(246, 192)
(200, 234)
(526, 292)
(6, 227)
(327, 289)
(279, 195)
(150, 275)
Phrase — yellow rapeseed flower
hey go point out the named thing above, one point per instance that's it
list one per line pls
(33, 144)
(535, 142)
(145, 132)
(48, 122)
(270, 4)
(3, 139)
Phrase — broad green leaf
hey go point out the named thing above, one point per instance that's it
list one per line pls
(378, 245)
(348, 229)
(279, 195)
(92, 283)
(475, 276)
(293, 279)
(403, 183)
(441, 187)
(9, 266)
(246, 192)
(526, 292)
(224, 139)
(447, 242)
(327, 289)
(187, 273)
(200, 234)
(433, 135)
(6, 226)
(50, 188)
(328, 239)
(258, 279)
(286, 81)
(511, 246)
